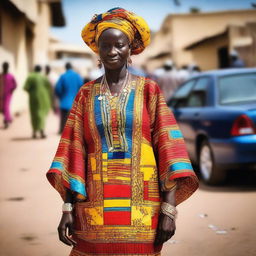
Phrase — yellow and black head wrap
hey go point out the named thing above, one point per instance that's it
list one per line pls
(135, 27)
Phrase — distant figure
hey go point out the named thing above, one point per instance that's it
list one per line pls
(168, 80)
(66, 89)
(40, 100)
(194, 70)
(183, 74)
(235, 61)
(7, 86)
(53, 78)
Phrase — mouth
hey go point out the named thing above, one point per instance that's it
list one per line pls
(113, 60)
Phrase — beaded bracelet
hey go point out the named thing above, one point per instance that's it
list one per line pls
(169, 210)
(67, 207)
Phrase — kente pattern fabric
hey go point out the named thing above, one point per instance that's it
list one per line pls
(120, 161)
(135, 27)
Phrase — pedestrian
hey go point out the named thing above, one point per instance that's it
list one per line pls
(168, 80)
(66, 89)
(52, 78)
(183, 74)
(235, 60)
(40, 100)
(7, 87)
(121, 166)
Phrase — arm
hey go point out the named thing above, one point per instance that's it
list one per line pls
(27, 85)
(65, 228)
(14, 84)
(166, 225)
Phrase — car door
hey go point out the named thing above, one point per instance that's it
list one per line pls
(189, 109)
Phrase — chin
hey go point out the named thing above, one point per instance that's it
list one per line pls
(113, 66)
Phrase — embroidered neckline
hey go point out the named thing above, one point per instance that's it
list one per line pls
(113, 110)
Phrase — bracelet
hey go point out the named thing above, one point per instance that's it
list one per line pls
(67, 207)
(169, 210)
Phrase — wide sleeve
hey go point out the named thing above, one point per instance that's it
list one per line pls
(27, 84)
(173, 163)
(14, 83)
(68, 166)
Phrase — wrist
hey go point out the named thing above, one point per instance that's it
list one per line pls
(67, 208)
(169, 210)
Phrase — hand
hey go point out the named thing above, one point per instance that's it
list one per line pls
(165, 230)
(65, 229)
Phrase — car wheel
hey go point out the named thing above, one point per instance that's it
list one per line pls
(211, 174)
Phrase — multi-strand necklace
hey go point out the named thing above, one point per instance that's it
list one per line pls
(113, 108)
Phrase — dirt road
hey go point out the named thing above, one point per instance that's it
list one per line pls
(214, 221)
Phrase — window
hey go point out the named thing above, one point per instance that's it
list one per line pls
(197, 97)
(179, 99)
(237, 89)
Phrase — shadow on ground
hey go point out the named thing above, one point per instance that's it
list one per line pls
(21, 139)
(236, 181)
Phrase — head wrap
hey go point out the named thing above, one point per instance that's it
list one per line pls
(133, 26)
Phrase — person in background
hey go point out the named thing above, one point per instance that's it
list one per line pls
(7, 87)
(52, 78)
(121, 166)
(40, 100)
(183, 74)
(66, 89)
(168, 80)
(235, 60)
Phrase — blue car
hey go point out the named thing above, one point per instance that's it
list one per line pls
(216, 112)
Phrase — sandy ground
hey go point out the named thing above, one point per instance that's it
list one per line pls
(30, 209)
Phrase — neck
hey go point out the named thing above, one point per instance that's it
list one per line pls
(115, 76)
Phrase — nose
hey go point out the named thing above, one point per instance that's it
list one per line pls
(112, 51)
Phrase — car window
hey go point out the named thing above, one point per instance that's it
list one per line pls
(180, 96)
(184, 91)
(238, 88)
(197, 97)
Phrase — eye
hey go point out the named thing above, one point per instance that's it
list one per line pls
(104, 46)
(119, 45)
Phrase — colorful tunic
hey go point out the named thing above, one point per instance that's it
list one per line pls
(7, 86)
(119, 154)
(40, 99)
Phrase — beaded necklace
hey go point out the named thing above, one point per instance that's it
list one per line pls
(113, 109)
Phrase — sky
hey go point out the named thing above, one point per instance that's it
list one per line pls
(79, 12)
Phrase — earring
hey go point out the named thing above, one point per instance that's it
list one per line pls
(129, 60)
(99, 63)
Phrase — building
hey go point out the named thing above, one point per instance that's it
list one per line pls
(242, 39)
(180, 33)
(81, 56)
(24, 37)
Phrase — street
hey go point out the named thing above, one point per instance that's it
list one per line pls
(214, 221)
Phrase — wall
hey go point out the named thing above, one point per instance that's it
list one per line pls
(13, 50)
(206, 55)
(187, 29)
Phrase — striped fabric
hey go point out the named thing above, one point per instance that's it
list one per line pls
(119, 173)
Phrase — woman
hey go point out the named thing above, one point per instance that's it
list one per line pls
(7, 87)
(121, 166)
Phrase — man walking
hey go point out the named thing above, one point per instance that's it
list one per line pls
(66, 89)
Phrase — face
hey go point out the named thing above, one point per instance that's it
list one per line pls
(114, 48)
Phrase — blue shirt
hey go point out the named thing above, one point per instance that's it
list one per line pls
(67, 87)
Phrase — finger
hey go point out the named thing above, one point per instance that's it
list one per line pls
(165, 237)
(161, 237)
(62, 236)
(74, 243)
(70, 230)
(157, 239)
